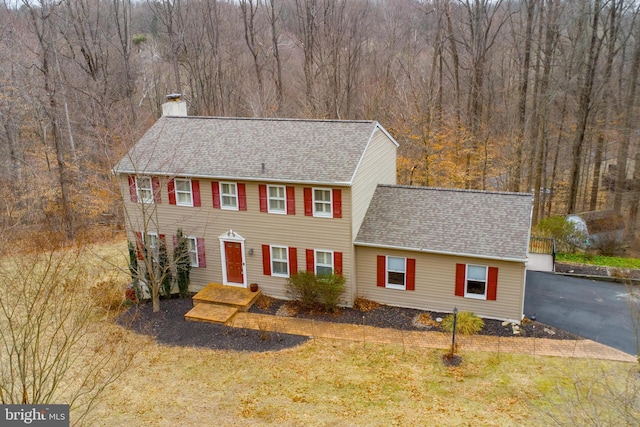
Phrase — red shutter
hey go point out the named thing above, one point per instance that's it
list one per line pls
(337, 203)
(411, 274)
(266, 260)
(293, 261)
(492, 289)
(262, 194)
(308, 202)
(382, 271)
(310, 261)
(337, 263)
(461, 273)
(133, 193)
(195, 189)
(215, 191)
(202, 258)
(139, 245)
(242, 197)
(155, 185)
(171, 186)
(175, 241)
(291, 201)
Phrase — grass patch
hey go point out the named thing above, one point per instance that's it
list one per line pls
(326, 382)
(599, 260)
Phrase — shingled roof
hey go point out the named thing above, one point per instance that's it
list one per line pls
(306, 151)
(448, 221)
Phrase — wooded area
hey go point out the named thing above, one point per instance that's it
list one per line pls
(531, 95)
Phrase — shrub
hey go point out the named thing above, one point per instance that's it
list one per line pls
(183, 264)
(566, 234)
(330, 288)
(303, 287)
(108, 292)
(467, 323)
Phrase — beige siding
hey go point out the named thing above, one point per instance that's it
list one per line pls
(378, 166)
(435, 284)
(255, 227)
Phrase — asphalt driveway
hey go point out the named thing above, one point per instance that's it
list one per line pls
(596, 310)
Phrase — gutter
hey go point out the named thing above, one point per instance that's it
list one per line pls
(459, 254)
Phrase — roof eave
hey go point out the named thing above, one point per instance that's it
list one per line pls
(424, 250)
(232, 178)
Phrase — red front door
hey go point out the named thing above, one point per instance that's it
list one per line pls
(233, 255)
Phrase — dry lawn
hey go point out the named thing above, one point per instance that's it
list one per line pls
(334, 383)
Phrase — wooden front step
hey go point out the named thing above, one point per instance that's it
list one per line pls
(215, 293)
(211, 313)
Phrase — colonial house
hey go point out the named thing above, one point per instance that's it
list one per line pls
(261, 199)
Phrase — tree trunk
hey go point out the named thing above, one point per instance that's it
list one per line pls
(584, 107)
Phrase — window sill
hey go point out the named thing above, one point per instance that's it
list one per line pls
(476, 296)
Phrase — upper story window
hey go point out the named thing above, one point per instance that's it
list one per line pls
(184, 195)
(322, 202)
(229, 195)
(145, 189)
(277, 199)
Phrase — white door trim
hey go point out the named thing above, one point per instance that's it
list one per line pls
(232, 236)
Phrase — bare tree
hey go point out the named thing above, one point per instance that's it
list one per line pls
(56, 344)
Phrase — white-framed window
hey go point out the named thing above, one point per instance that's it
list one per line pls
(144, 187)
(229, 195)
(476, 282)
(184, 195)
(279, 261)
(323, 262)
(396, 273)
(192, 244)
(322, 202)
(151, 242)
(277, 199)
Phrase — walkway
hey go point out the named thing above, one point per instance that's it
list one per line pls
(369, 334)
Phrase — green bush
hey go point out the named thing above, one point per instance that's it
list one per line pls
(303, 287)
(568, 238)
(330, 288)
(467, 323)
(183, 264)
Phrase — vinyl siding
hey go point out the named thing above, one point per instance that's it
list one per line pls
(257, 228)
(435, 284)
(375, 168)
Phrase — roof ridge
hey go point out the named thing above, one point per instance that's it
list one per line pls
(272, 119)
(457, 190)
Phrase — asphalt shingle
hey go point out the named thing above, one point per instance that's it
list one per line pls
(319, 151)
(462, 222)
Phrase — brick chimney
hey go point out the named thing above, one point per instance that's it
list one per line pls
(174, 106)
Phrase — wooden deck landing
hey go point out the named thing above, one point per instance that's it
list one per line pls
(219, 303)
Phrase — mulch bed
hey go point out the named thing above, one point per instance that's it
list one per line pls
(169, 327)
(384, 316)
